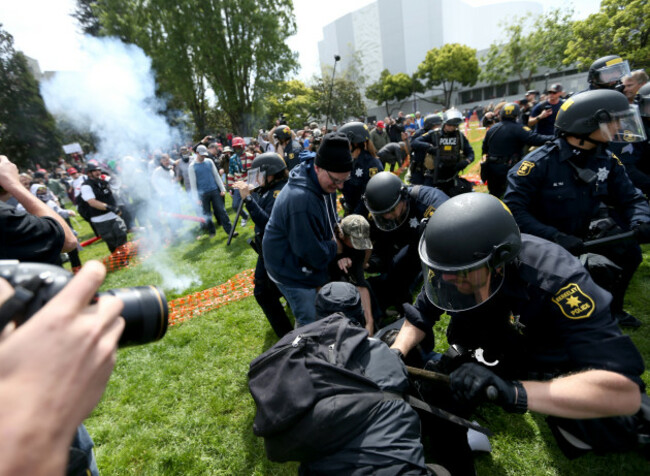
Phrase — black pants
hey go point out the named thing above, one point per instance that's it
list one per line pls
(113, 232)
(268, 297)
(496, 176)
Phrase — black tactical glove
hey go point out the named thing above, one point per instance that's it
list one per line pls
(572, 244)
(113, 208)
(470, 383)
(642, 231)
(461, 165)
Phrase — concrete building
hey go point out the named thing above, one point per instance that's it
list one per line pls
(396, 35)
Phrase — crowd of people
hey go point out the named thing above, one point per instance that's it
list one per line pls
(536, 309)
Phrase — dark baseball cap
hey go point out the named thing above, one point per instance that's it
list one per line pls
(555, 88)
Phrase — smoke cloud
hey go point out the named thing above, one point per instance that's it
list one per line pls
(113, 97)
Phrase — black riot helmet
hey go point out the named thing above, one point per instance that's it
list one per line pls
(603, 109)
(357, 132)
(386, 199)
(452, 117)
(282, 133)
(431, 121)
(265, 165)
(509, 112)
(606, 72)
(642, 99)
(466, 243)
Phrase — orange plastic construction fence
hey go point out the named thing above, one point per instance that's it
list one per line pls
(238, 287)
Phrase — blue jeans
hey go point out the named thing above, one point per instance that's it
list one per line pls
(215, 200)
(236, 200)
(302, 302)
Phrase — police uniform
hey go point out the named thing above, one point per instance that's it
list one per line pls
(447, 148)
(395, 253)
(546, 197)
(363, 169)
(259, 204)
(417, 160)
(548, 319)
(633, 156)
(503, 145)
(291, 153)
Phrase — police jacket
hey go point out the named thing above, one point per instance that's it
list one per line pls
(546, 196)
(417, 156)
(505, 141)
(547, 319)
(447, 146)
(260, 203)
(298, 241)
(364, 167)
(423, 201)
(291, 153)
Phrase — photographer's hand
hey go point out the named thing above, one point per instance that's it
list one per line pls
(53, 371)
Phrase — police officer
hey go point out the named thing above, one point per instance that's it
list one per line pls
(556, 191)
(538, 332)
(449, 152)
(365, 165)
(395, 214)
(606, 73)
(431, 123)
(287, 146)
(503, 146)
(274, 175)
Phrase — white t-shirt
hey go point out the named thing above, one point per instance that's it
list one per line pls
(88, 194)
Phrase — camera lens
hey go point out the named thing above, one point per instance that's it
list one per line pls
(145, 313)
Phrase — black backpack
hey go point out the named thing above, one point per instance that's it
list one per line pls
(330, 397)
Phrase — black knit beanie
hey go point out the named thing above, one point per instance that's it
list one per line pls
(334, 153)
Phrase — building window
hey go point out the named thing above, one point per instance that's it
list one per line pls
(488, 92)
(513, 88)
(500, 90)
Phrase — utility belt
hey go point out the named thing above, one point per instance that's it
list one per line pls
(500, 159)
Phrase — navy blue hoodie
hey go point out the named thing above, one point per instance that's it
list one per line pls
(299, 241)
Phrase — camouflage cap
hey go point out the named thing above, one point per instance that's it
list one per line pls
(358, 229)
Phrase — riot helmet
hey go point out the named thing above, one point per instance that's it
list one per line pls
(283, 133)
(642, 99)
(357, 132)
(431, 121)
(509, 112)
(601, 109)
(386, 198)
(606, 72)
(464, 248)
(265, 165)
(452, 117)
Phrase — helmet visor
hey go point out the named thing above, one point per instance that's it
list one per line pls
(256, 178)
(643, 102)
(612, 73)
(454, 289)
(626, 126)
(393, 218)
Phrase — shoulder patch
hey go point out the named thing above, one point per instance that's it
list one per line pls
(372, 171)
(429, 211)
(526, 128)
(573, 302)
(525, 168)
(276, 193)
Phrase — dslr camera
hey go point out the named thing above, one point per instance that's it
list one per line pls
(145, 307)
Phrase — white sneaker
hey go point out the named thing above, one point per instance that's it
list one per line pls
(244, 221)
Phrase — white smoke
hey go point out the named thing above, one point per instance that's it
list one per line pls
(113, 97)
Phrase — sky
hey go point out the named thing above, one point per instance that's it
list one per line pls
(45, 31)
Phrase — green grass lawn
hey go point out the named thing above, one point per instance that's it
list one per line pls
(181, 406)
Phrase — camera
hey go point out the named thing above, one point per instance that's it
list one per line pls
(145, 307)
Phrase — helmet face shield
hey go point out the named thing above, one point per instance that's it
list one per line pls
(455, 289)
(612, 73)
(394, 217)
(625, 126)
(644, 105)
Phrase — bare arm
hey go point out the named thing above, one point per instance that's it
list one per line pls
(409, 336)
(590, 394)
(9, 181)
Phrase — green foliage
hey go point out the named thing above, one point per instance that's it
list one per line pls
(523, 54)
(293, 99)
(621, 27)
(236, 48)
(28, 134)
(393, 87)
(446, 67)
(87, 19)
(346, 99)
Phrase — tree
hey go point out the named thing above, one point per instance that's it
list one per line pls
(392, 87)
(446, 67)
(346, 99)
(28, 133)
(86, 17)
(236, 48)
(293, 99)
(621, 27)
(523, 54)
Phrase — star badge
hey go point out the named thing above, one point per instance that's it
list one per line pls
(602, 174)
(358, 172)
(413, 222)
